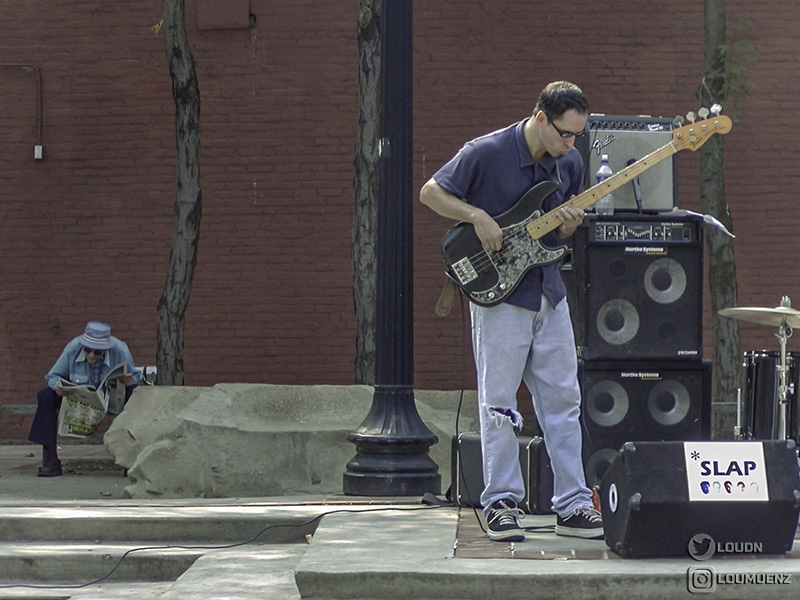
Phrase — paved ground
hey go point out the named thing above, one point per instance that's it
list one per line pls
(89, 474)
(363, 548)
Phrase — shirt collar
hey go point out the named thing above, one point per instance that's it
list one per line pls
(548, 163)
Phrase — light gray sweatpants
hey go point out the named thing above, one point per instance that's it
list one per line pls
(512, 345)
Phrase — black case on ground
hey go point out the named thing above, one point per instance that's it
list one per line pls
(467, 472)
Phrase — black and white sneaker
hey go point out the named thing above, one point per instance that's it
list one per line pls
(502, 522)
(585, 522)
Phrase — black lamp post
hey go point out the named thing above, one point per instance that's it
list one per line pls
(392, 443)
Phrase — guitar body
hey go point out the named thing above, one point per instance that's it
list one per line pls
(489, 277)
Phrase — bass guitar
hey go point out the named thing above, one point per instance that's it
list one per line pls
(488, 277)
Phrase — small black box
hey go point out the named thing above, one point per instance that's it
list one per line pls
(467, 473)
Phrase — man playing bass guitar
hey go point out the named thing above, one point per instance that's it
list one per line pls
(528, 335)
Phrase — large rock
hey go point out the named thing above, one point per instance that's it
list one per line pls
(251, 440)
(151, 413)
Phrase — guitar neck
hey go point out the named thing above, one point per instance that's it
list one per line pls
(548, 222)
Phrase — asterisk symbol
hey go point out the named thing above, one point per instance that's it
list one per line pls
(695, 455)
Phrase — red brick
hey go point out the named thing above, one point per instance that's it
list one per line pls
(272, 299)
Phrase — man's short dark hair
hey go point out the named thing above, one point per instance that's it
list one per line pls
(559, 97)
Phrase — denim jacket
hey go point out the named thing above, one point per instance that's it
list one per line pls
(73, 366)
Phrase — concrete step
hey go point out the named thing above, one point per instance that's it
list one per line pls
(179, 521)
(127, 590)
(77, 563)
(246, 573)
(249, 548)
(243, 573)
(199, 549)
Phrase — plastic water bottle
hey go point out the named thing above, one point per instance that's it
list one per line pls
(604, 206)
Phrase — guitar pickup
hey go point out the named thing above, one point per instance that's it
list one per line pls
(464, 271)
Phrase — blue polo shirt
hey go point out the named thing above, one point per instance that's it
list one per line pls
(493, 172)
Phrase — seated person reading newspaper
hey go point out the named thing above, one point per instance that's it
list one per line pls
(94, 375)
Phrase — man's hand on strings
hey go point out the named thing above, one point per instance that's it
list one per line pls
(489, 232)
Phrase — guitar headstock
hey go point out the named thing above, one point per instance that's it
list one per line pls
(696, 134)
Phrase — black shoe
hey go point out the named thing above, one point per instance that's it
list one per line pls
(502, 522)
(585, 522)
(52, 469)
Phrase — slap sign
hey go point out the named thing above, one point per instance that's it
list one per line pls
(726, 471)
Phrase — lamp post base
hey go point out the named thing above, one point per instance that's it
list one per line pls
(392, 449)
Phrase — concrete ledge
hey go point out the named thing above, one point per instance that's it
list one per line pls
(17, 410)
(71, 562)
(409, 554)
(181, 522)
(241, 574)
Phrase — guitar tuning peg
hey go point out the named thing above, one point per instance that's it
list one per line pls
(716, 109)
(677, 121)
(703, 112)
(691, 116)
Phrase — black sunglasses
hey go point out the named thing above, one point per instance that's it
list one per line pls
(93, 351)
(562, 133)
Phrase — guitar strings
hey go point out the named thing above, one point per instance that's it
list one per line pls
(477, 260)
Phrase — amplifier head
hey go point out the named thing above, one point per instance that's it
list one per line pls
(624, 139)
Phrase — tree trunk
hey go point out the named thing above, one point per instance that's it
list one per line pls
(722, 266)
(367, 176)
(188, 202)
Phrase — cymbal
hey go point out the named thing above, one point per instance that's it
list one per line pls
(765, 316)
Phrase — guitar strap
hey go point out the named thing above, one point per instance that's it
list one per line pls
(446, 298)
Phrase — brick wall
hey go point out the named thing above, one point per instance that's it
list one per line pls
(481, 68)
(86, 230)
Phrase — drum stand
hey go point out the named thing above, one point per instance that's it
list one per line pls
(784, 333)
(737, 429)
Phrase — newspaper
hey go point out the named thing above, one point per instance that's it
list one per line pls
(85, 406)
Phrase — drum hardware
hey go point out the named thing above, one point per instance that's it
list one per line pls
(785, 318)
(760, 405)
(737, 430)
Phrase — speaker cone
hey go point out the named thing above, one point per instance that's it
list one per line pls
(617, 321)
(669, 402)
(607, 403)
(665, 280)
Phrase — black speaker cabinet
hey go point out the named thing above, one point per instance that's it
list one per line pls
(701, 498)
(466, 472)
(634, 401)
(639, 284)
(625, 139)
